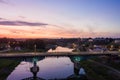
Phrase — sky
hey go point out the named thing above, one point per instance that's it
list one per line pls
(59, 18)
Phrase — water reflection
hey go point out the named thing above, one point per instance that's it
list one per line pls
(44, 68)
(79, 72)
(34, 70)
(60, 49)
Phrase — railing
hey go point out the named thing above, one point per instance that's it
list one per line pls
(110, 53)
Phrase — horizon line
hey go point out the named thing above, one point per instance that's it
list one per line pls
(61, 38)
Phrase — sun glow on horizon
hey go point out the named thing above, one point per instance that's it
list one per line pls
(59, 18)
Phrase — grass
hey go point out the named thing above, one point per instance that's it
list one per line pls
(110, 63)
(24, 51)
(114, 65)
(6, 67)
(96, 72)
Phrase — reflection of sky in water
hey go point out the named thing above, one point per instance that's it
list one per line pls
(61, 49)
(21, 71)
(50, 68)
(56, 67)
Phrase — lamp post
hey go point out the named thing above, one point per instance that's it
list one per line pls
(34, 69)
(35, 49)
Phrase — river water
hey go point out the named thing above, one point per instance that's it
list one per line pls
(61, 49)
(49, 67)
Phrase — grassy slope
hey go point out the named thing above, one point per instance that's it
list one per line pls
(96, 72)
(6, 67)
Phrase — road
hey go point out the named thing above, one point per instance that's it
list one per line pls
(10, 55)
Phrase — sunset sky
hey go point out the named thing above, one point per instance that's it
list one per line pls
(59, 18)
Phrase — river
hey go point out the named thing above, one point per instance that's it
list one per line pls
(61, 49)
(49, 67)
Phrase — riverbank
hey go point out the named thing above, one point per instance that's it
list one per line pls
(6, 67)
(96, 71)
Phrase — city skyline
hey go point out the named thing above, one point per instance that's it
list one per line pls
(59, 18)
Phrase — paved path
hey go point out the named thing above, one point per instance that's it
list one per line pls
(4, 51)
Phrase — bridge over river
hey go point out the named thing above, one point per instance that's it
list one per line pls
(32, 54)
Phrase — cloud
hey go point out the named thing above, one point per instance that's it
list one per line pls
(22, 17)
(2, 18)
(61, 27)
(91, 29)
(3, 1)
(22, 23)
(7, 22)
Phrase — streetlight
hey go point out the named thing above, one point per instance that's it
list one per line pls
(35, 49)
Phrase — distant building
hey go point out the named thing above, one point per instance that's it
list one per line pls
(18, 48)
(117, 41)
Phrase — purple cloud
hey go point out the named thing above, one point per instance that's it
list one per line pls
(22, 17)
(2, 18)
(22, 23)
(3, 1)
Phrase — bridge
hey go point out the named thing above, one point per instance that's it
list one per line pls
(32, 54)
